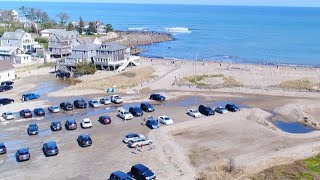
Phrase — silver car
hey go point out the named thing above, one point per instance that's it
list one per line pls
(221, 110)
(54, 109)
(105, 101)
(139, 143)
(132, 137)
(8, 115)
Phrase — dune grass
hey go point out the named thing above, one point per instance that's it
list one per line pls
(298, 84)
(228, 81)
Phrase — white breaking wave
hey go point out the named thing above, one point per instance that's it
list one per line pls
(138, 29)
(178, 30)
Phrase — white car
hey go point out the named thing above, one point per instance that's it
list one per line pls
(139, 143)
(221, 110)
(132, 137)
(54, 109)
(116, 99)
(86, 123)
(124, 114)
(94, 103)
(105, 101)
(8, 115)
(165, 120)
(194, 113)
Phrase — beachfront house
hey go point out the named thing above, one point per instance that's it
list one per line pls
(19, 39)
(7, 71)
(14, 55)
(60, 44)
(46, 33)
(80, 53)
(111, 56)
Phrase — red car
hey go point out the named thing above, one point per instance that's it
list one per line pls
(105, 119)
(26, 113)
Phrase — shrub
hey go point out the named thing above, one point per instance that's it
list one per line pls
(85, 68)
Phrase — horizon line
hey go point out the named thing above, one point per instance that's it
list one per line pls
(146, 3)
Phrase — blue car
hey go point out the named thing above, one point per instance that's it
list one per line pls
(141, 172)
(39, 112)
(136, 111)
(119, 175)
(30, 96)
(152, 124)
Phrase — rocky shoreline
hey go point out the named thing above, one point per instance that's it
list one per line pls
(136, 39)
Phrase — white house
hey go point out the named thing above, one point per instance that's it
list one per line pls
(7, 71)
(46, 33)
(23, 59)
(19, 39)
(9, 53)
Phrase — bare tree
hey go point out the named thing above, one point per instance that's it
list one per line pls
(231, 165)
(64, 17)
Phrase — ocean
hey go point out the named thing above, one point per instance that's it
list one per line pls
(278, 35)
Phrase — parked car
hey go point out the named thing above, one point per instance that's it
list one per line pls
(166, 120)
(63, 75)
(3, 148)
(94, 103)
(33, 129)
(124, 114)
(206, 110)
(8, 115)
(119, 175)
(71, 124)
(132, 137)
(56, 126)
(141, 172)
(23, 155)
(30, 96)
(105, 101)
(26, 113)
(105, 119)
(136, 111)
(221, 110)
(5, 88)
(116, 99)
(157, 97)
(147, 107)
(39, 112)
(84, 140)
(50, 149)
(232, 108)
(7, 83)
(80, 104)
(86, 123)
(54, 109)
(5, 101)
(151, 123)
(194, 113)
(67, 106)
(139, 142)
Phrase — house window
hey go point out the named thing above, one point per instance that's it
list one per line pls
(116, 58)
(8, 74)
(8, 41)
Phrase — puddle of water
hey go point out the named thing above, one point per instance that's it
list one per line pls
(44, 133)
(292, 127)
(185, 102)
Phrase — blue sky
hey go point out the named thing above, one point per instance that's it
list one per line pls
(299, 3)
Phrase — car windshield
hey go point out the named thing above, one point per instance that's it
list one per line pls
(56, 123)
(126, 113)
(55, 107)
(86, 137)
(71, 121)
(117, 97)
(94, 101)
(9, 114)
(167, 119)
(23, 151)
(131, 135)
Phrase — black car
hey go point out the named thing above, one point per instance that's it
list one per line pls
(5, 88)
(141, 172)
(39, 112)
(232, 108)
(147, 107)
(5, 101)
(33, 129)
(206, 110)
(56, 126)
(71, 124)
(22, 155)
(63, 75)
(80, 104)
(3, 148)
(157, 97)
(26, 113)
(105, 119)
(136, 111)
(84, 140)
(67, 106)
(7, 83)
(50, 149)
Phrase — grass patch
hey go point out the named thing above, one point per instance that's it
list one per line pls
(298, 84)
(313, 164)
(119, 80)
(228, 81)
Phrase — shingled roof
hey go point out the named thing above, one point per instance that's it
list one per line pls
(17, 35)
(112, 46)
(5, 66)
